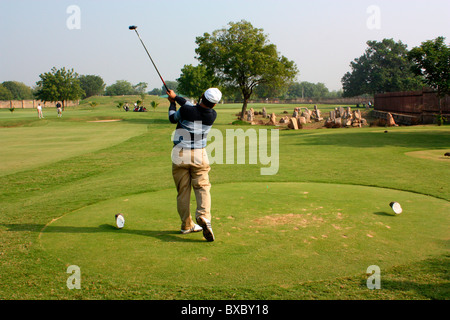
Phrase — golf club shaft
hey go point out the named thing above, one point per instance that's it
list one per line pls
(151, 60)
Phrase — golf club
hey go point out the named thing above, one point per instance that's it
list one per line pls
(135, 29)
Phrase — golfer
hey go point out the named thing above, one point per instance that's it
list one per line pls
(59, 109)
(190, 164)
(39, 110)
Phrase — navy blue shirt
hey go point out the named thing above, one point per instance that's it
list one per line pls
(193, 123)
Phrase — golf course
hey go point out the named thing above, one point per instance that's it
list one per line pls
(308, 232)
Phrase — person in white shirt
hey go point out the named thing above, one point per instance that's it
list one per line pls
(39, 110)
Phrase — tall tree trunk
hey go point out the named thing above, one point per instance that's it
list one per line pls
(244, 108)
(246, 93)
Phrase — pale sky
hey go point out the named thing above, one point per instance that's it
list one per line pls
(322, 37)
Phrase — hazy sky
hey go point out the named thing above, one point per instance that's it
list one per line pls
(321, 36)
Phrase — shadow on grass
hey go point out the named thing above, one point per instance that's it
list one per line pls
(163, 235)
(384, 213)
(426, 139)
(428, 278)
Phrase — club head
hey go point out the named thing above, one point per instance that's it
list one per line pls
(132, 27)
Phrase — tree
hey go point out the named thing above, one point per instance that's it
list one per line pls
(92, 85)
(172, 85)
(431, 61)
(242, 57)
(156, 92)
(59, 85)
(19, 90)
(266, 91)
(120, 88)
(140, 87)
(384, 67)
(193, 81)
(296, 90)
(307, 89)
(5, 94)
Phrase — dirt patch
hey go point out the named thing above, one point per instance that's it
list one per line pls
(297, 220)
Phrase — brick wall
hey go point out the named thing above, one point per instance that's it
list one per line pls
(412, 102)
(28, 104)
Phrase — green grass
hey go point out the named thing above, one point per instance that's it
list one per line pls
(309, 232)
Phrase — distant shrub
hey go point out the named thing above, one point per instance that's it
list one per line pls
(154, 105)
(440, 119)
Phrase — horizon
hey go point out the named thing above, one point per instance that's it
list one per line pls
(92, 37)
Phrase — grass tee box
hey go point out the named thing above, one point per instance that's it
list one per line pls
(259, 242)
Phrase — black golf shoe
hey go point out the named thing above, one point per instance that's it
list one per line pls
(207, 230)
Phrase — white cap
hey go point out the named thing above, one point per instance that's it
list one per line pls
(213, 95)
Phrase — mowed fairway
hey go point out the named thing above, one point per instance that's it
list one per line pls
(34, 146)
(308, 232)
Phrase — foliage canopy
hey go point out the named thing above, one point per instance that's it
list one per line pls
(59, 85)
(384, 67)
(241, 56)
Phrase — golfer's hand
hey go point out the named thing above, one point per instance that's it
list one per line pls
(171, 94)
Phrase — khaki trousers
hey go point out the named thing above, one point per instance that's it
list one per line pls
(193, 173)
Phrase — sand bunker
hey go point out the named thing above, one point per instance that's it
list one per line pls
(111, 120)
(437, 155)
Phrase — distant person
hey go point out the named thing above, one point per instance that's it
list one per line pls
(59, 109)
(39, 110)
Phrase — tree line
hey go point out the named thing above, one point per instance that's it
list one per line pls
(294, 90)
(241, 61)
(62, 84)
(388, 66)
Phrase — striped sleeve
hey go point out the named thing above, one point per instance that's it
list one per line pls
(174, 116)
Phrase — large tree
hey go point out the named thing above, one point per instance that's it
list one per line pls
(241, 56)
(92, 85)
(59, 85)
(384, 67)
(431, 60)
